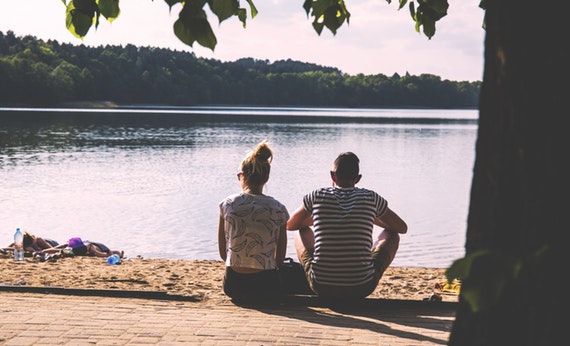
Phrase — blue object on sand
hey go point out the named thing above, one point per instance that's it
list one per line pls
(114, 259)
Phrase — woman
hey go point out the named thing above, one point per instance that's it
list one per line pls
(252, 235)
(77, 247)
(33, 243)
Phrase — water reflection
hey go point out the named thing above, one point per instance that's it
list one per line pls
(151, 187)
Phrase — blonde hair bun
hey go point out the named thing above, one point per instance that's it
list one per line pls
(257, 164)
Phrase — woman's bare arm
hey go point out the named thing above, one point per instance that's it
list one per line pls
(281, 246)
(222, 238)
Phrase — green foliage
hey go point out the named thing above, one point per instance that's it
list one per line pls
(224, 9)
(484, 276)
(35, 72)
(109, 9)
(327, 13)
(192, 24)
(80, 15)
(427, 13)
(487, 275)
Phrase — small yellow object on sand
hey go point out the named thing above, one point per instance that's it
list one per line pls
(445, 287)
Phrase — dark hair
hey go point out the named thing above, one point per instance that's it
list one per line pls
(346, 165)
(257, 164)
(80, 250)
(28, 239)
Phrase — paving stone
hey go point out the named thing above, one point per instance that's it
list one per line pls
(77, 320)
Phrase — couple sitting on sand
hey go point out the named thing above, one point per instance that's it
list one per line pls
(333, 239)
(43, 247)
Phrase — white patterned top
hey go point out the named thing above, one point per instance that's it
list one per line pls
(252, 224)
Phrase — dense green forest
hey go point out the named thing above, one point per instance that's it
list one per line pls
(38, 73)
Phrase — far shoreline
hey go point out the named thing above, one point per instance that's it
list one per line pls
(106, 113)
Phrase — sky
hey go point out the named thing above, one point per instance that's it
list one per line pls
(380, 39)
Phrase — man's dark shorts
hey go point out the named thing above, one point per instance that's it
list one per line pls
(381, 262)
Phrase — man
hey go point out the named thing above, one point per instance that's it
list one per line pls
(339, 256)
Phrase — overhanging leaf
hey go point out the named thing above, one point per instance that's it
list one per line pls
(224, 9)
(319, 7)
(242, 15)
(318, 26)
(192, 26)
(79, 20)
(183, 33)
(438, 6)
(86, 6)
(329, 13)
(252, 9)
(332, 19)
(427, 14)
(109, 9)
(173, 2)
(307, 6)
(429, 27)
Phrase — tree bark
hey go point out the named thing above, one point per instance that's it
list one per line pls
(519, 194)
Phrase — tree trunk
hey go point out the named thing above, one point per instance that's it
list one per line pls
(520, 194)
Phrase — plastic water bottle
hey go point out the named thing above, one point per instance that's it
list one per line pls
(114, 259)
(18, 245)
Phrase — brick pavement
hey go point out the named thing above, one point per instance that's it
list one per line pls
(95, 318)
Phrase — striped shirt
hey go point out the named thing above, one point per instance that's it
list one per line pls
(343, 222)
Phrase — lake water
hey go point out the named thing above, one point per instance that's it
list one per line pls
(149, 180)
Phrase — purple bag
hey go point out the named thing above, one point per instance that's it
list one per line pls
(75, 242)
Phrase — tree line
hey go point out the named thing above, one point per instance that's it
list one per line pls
(39, 73)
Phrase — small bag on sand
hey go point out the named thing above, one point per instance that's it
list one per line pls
(293, 278)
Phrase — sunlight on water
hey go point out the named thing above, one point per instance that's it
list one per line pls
(153, 188)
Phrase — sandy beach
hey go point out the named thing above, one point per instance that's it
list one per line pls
(199, 279)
